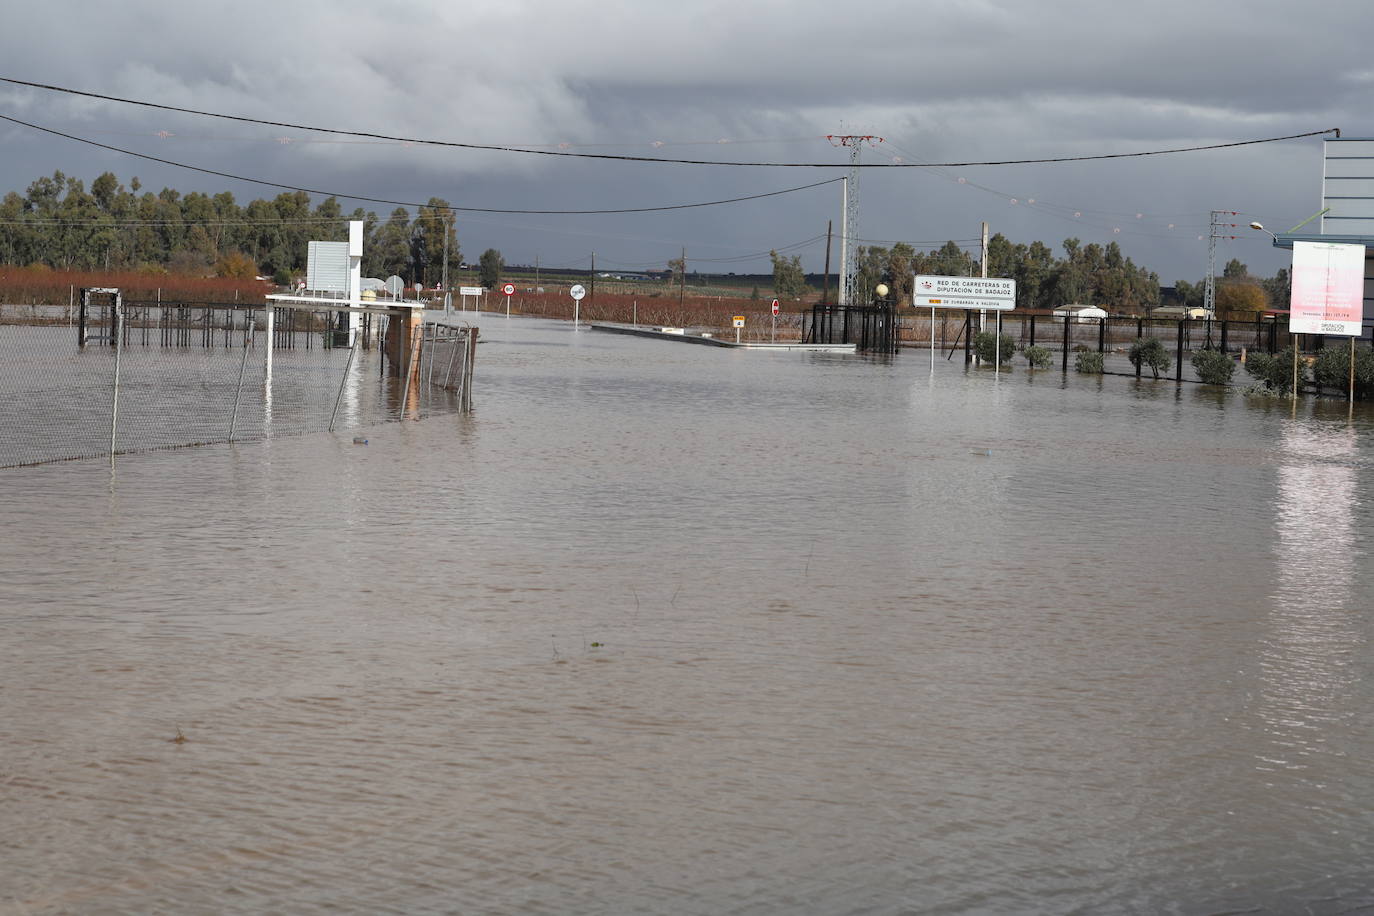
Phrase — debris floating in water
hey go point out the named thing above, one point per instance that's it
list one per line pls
(983, 452)
(359, 440)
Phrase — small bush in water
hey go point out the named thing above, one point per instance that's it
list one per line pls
(1149, 351)
(1276, 372)
(1331, 369)
(1039, 357)
(985, 346)
(1088, 362)
(1213, 366)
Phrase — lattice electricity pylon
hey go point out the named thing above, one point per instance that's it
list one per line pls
(849, 225)
(1209, 294)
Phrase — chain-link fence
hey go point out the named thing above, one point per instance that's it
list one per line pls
(117, 377)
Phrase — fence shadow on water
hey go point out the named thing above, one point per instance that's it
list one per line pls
(197, 374)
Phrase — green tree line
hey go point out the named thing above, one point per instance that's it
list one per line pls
(60, 223)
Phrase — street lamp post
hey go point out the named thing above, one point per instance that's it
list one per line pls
(880, 299)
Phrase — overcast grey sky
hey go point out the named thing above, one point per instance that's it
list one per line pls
(708, 79)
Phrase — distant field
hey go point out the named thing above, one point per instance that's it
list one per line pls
(700, 312)
(29, 286)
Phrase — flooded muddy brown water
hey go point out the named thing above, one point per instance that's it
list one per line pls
(676, 629)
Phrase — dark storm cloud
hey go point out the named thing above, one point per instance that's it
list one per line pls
(953, 80)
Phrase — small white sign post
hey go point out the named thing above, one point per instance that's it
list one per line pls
(475, 292)
(508, 290)
(739, 323)
(775, 321)
(982, 293)
(577, 292)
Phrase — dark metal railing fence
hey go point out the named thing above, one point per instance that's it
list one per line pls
(869, 328)
(877, 329)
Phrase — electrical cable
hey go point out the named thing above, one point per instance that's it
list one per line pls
(115, 223)
(404, 203)
(623, 158)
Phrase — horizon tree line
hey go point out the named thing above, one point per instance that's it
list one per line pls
(58, 222)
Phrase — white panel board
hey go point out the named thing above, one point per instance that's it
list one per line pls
(326, 267)
(1350, 168)
(1348, 187)
(1352, 208)
(1338, 148)
(1356, 227)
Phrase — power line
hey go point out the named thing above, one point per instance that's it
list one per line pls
(562, 145)
(624, 158)
(404, 203)
(753, 256)
(115, 223)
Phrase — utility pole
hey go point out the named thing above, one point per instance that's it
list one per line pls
(849, 226)
(592, 280)
(536, 273)
(982, 313)
(682, 284)
(444, 219)
(1209, 294)
(825, 280)
(840, 296)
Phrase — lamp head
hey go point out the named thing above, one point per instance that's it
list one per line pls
(881, 290)
(1257, 225)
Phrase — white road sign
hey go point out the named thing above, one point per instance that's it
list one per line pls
(577, 292)
(993, 293)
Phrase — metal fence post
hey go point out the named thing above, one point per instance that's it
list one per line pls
(1139, 333)
(343, 381)
(116, 313)
(1178, 371)
(243, 365)
(81, 318)
(1065, 347)
(452, 361)
(468, 367)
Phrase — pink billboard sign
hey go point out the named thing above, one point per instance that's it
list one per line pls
(1328, 289)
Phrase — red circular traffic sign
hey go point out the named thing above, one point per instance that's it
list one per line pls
(508, 289)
